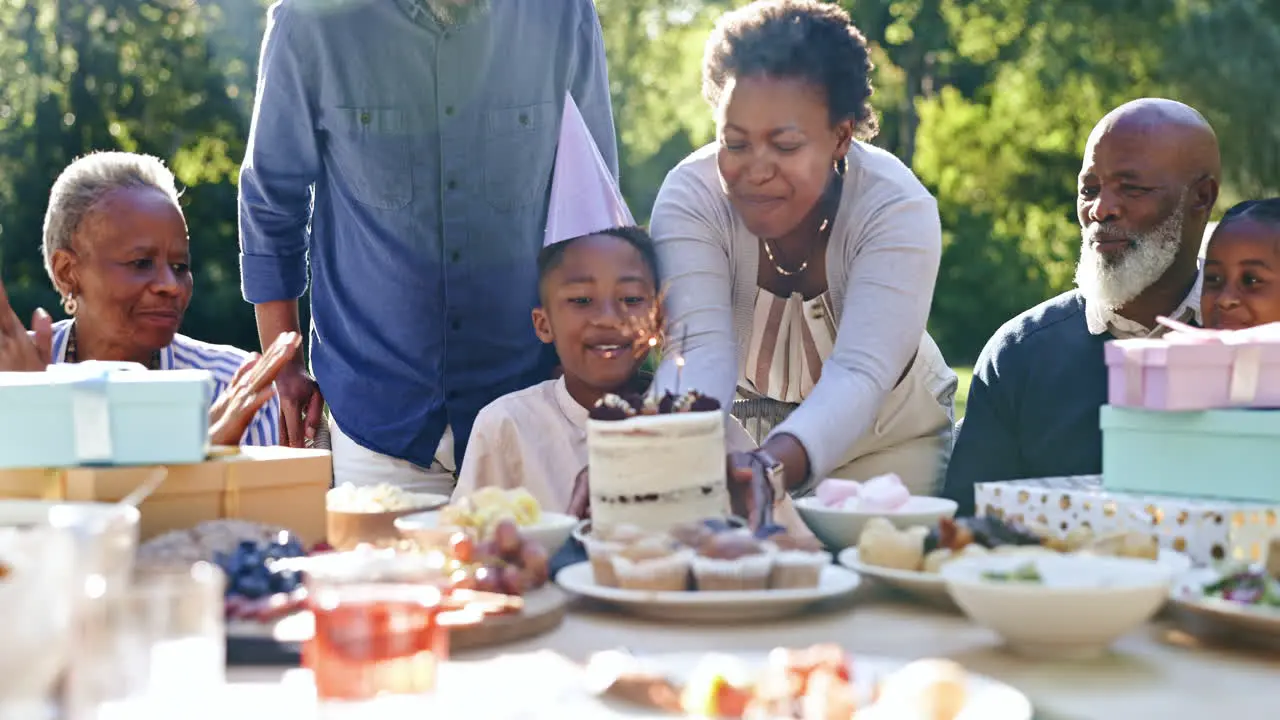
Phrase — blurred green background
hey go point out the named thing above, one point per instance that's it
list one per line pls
(990, 101)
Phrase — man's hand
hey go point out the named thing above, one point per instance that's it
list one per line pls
(233, 411)
(301, 406)
(19, 351)
(580, 499)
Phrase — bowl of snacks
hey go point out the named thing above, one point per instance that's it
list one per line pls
(481, 512)
(1071, 606)
(367, 514)
(839, 509)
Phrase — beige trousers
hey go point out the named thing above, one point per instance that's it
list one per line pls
(353, 463)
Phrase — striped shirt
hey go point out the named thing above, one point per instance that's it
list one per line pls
(790, 340)
(222, 361)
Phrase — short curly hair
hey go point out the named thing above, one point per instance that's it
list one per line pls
(807, 39)
(85, 182)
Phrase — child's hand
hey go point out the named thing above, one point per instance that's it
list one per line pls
(580, 499)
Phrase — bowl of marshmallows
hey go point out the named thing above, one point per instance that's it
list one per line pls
(839, 509)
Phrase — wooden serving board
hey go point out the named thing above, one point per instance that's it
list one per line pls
(280, 642)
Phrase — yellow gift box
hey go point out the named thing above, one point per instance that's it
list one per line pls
(1207, 529)
(270, 485)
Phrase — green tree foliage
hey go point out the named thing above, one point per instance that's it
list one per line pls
(990, 101)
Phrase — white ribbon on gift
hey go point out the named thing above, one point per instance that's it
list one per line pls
(1246, 362)
(1134, 377)
(1246, 368)
(90, 410)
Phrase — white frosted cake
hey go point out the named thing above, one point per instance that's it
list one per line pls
(657, 469)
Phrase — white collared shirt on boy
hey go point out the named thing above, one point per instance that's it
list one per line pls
(536, 438)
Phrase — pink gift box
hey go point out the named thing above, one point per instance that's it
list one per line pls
(1201, 371)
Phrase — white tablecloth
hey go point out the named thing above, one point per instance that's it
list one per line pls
(1156, 672)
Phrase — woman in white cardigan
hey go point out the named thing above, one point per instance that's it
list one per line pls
(801, 261)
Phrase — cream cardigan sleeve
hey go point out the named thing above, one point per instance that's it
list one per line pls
(690, 227)
(891, 258)
(882, 263)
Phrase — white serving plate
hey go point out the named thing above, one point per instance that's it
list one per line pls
(932, 588)
(925, 586)
(710, 606)
(839, 529)
(988, 699)
(1188, 595)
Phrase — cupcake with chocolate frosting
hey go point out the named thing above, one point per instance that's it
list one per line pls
(732, 561)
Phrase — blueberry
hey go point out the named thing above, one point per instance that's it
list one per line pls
(276, 552)
(284, 581)
(252, 586)
(247, 546)
(250, 558)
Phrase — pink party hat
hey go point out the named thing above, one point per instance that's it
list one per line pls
(584, 197)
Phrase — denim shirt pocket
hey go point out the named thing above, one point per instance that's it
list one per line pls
(519, 147)
(369, 151)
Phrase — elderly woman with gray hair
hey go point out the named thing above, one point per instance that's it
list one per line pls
(116, 249)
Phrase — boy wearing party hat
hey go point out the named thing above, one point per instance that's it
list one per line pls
(598, 292)
(598, 303)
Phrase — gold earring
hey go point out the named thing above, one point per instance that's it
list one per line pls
(69, 304)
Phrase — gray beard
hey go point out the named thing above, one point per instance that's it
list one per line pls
(1115, 282)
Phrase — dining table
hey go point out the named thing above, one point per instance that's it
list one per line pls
(1176, 666)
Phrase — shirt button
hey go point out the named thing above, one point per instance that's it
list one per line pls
(455, 256)
(448, 110)
(364, 118)
(456, 325)
(452, 184)
(451, 396)
(524, 119)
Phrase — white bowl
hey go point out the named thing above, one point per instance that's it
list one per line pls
(839, 529)
(551, 531)
(1083, 604)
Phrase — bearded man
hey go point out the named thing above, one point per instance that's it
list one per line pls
(1147, 185)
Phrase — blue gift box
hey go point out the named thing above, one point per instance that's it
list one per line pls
(104, 414)
(1232, 454)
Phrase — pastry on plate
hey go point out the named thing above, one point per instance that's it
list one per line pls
(655, 562)
(797, 562)
(884, 545)
(732, 561)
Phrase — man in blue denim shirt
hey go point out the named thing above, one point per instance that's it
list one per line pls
(404, 149)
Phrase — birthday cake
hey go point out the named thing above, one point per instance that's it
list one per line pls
(656, 463)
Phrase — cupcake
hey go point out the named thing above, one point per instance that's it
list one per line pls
(693, 535)
(654, 563)
(797, 562)
(732, 561)
(601, 547)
